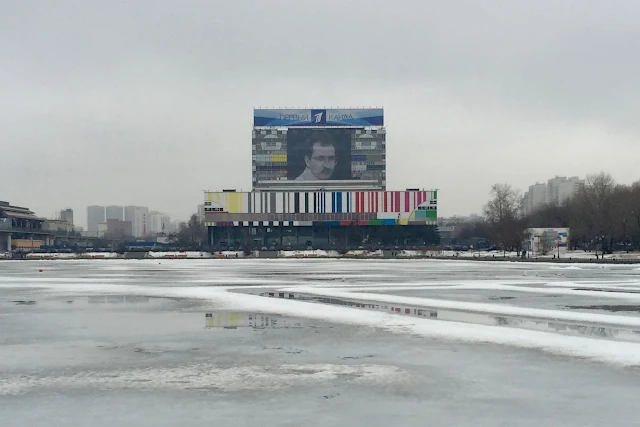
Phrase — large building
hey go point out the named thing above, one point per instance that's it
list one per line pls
(21, 229)
(560, 189)
(115, 212)
(319, 179)
(138, 217)
(158, 223)
(535, 198)
(554, 192)
(95, 216)
(66, 215)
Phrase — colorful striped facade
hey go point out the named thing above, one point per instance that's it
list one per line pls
(331, 208)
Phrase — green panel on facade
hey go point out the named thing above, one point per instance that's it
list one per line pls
(435, 195)
(432, 214)
(421, 214)
(375, 222)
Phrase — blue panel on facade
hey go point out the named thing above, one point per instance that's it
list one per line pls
(330, 223)
(388, 222)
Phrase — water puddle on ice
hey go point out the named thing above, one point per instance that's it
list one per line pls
(234, 320)
(559, 326)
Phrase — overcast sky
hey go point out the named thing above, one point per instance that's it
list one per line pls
(150, 102)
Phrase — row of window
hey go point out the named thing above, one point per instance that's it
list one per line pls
(283, 131)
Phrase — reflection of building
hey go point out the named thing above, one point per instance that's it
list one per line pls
(554, 192)
(95, 216)
(324, 213)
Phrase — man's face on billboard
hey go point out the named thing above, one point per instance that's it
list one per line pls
(322, 162)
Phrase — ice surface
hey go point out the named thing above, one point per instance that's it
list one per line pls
(89, 351)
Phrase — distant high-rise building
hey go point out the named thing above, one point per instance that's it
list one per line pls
(554, 192)
(66, 215)
(534, 198)
(95, 216)
(201, 213)
(158, 222)
(562, 188)
(117, 229)
(115, 212)
(137, 215)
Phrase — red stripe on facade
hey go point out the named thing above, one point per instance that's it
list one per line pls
(384, 202)
(406, 201)
(398, 208)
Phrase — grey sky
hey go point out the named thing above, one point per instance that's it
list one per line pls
(150, 102)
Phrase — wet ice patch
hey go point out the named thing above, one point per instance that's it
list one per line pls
(204, 377)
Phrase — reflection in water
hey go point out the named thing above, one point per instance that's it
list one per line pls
(231, 320)
(118, 299)
(623, 333)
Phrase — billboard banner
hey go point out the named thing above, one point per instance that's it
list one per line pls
(319, 154)
(319, 117)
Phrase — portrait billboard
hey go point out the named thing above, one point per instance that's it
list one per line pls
(318, 117)
(319, 154)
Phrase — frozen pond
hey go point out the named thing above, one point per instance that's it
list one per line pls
(103, 343)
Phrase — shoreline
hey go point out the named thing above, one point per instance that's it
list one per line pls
(568, 259)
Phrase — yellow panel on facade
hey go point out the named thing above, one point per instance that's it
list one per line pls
(209, 197)
(26, 243)
(403, 221)
(278, 158)
(235, 202)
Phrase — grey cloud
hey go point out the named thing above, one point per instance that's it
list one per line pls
(133, 102)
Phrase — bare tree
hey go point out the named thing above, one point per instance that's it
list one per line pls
(597, 207)
(191, 234)
(503, 214)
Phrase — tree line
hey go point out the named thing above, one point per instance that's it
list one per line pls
(602, 214)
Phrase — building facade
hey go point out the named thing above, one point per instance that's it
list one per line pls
(66, 215)
(555, 192)
(319, 180)
(535, 198)
(21, 229)
(137, 215)
(95, 216)
(547, 241)
(560, 189)
(115, 212)
(158, 223)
